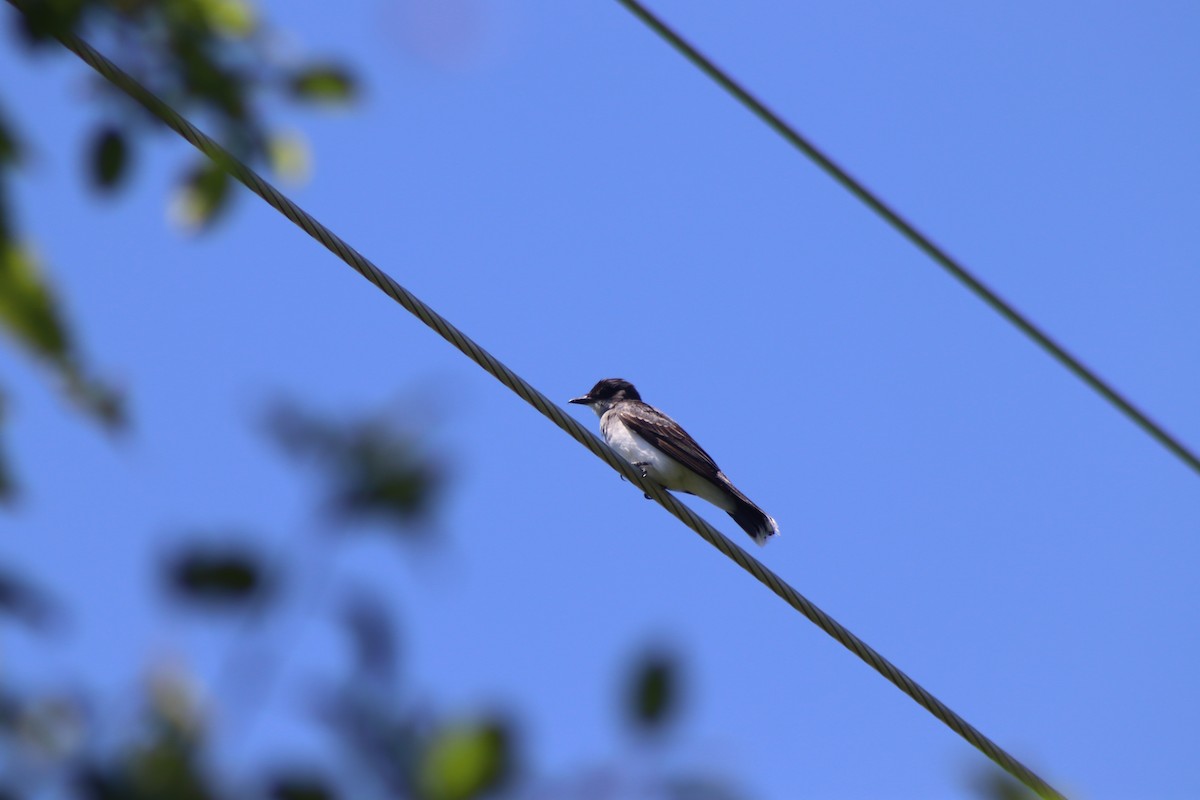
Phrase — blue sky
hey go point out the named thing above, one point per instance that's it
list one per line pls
(565, 188)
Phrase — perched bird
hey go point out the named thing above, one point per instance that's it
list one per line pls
(666, 454)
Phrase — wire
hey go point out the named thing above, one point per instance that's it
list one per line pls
(549, 409)
(910, 232)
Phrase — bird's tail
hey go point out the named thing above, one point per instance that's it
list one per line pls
(752, 519)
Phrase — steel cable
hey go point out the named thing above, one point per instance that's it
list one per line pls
(910, 232)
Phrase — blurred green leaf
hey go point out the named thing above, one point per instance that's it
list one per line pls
(376, 466)
(991, 784)
(166, 768)
(290, 157)
(465, 761)
(175, 710)
(28, 308)
(652, 694)
(46, 19)
(30, 313)
(201, 197)
(209, 80)
(233, 18)
(227, 575)
(109, 158)
(386, 475)
(323, 83)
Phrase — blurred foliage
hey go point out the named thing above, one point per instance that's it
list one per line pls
(31, 315)
(387, 744)
(28, 308)
(324, 83)
(993, 784)
(653, 692)
(201, 195)
(289, 157)
(369, 625)
(221, 575)
(376, 468)
(210, 60)
(299, 787)
(25, 602)
(465, 760)
(164, 761)
(6, 481)
(109, 157)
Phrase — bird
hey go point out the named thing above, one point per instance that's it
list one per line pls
(665, 453)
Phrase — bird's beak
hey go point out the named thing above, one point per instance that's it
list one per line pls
(583, 401)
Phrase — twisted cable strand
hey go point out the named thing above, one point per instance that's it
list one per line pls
(553, 412)
(910, 232)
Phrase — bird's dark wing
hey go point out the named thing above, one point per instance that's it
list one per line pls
(665, 433)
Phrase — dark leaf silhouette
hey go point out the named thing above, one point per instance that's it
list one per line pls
(23, 601)
(652, 694)
(100, 782)
(995, 785)
(41, 22)
(7, 483)
(109, 158)
(300, 786)
(10, 148)
(225, 575)
(375, 467)
(370, 627)
(104, 402)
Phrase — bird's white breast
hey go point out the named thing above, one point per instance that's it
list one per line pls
(636, 450)
(660, 467)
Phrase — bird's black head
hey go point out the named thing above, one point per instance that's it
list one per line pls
(609, 390)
